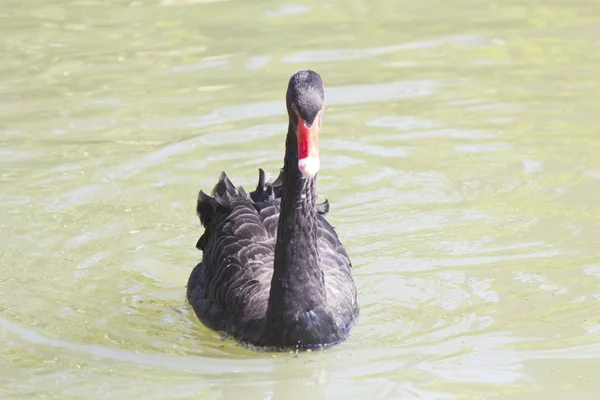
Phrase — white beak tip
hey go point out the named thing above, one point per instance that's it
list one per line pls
(309, 166)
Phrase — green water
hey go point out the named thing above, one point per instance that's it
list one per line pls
(460, 155)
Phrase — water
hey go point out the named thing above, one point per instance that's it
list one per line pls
(459, 155)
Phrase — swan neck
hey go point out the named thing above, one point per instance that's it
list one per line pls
(297, 294)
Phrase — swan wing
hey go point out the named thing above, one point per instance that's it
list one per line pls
(229, 289)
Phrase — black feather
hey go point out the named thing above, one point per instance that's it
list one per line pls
(229, 289)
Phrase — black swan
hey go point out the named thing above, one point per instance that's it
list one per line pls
(274, 273)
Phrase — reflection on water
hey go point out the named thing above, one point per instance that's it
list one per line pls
(459, 157)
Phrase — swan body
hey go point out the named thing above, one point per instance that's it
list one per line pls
(274, 272)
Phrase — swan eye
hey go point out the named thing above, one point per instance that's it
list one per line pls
(297, 112)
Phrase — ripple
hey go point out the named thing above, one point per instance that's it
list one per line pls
(14, 200)
(355, 54)
(484, 147)
(81, 195)
(92, 124)
(400, 122)
(438, 133)
(193, 364)
(201, 66)
(287, 10)
(363, 148)
(592, 270)
(257, 62)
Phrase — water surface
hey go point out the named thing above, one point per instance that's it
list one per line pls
(459, 155)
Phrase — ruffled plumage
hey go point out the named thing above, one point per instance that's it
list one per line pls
(229, 289)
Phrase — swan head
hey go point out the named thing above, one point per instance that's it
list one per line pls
(305, 105)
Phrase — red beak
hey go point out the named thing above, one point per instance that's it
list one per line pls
(308, 147)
